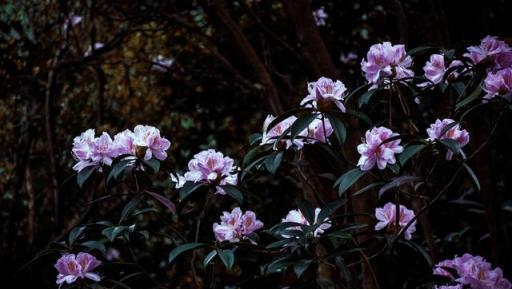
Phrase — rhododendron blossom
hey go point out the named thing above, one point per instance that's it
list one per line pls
(323, 92)
(235, 226)
(319, 131)
(498, 83)
(71, 268)
(474, 271)
(385, 61)
(320, 16)
(89, 150)
(436, 68)
(149, 143)
(270, 136)
(212, 167)
(492, 49)
(296, 216)
(437, 131)
(386, 216)
(374, 152)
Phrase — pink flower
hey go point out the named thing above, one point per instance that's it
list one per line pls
(449, 287)
(346, 58)
(276, 131)
(112, 254)
(373, 151)
(148, 139)
(212, 167)
(387, 218)
(123, 143)
(473, 271)
(385, 61)
(103, 150)
(435, 132)
(323, 92)
(71, 20)
(435, 69)
(71, 268)
(498, 83)
(161, 63)
(235, 226)
(296, 216)
(320, 16)
(496, 51)
(97, 46)
(319, 131)
(82, 149)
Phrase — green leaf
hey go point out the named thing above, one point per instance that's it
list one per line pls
(330, 208)
(301, 266)
(227, 257)
(307, 211)
(397, 182)
(420, 50)
(473, 176)
(112, 232)
(474, 95)
(154, 164)
(209, 258)
(409, 152)
(301, 124)
(184, 248)
(360, 115)
(340, 131)
(75, 233)
(119, 168)
(84, 174)
(273, 161)
(365, 97)
(278, 265)
(98, 245)
(285, 115)
(452, 144)
(419, 249)
(348, 179)
(234, 192)
(129, 207)
(188, 188)
(254, 138)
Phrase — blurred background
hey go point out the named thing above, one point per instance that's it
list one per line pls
(206, 73)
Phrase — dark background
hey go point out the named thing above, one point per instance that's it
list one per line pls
(218, 91)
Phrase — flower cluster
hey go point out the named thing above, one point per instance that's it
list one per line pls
(320, 16)
(144, 142)
(473, 271)
(209, 167)
(324, 92)
(296, 216)
(71, 268)
(375, 151)
(438, 131)
(385, 61)
(498, 83)
(492, 50)
(436, 68)
(235, 226)
(387, 219)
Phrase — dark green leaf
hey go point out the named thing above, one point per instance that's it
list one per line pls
(188, 188)
(227, 257)
(473, 176)
(452, 144)
(154, 164)
(94, 245)
(183, 248)
(128, 208)
(74, 234)
(273, 161)
(420, 50)
(307, 211)
(301, 124)
(474, 95)
(340, 131)
(348, 179)
(286, 115)
(365, 97)
(397, 182)
(330, 208)
(119, 168)
(301, 266)
(209, 258)
(84, 174)
(409, 152)
(234, 192)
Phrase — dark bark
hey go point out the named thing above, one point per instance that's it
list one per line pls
(312, 48)
(222, 20)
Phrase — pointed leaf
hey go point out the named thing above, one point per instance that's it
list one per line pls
(348, 179)
(188, 188)
(165, 201)
(340, 131)
(234, 192)
(227, 257)
(184, 248)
